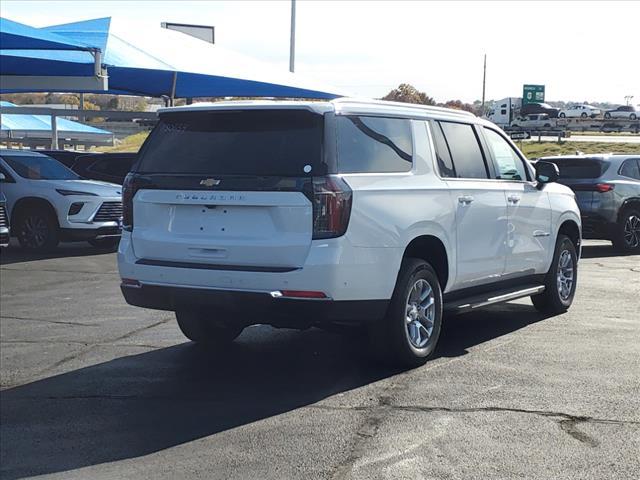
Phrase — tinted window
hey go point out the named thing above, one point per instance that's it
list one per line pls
(465, 150)
(39, 167)
(508, 163)
(118, 167)
(242, 142)
(443, 156)
(579, 167)
(630, 169)
(373, 144)
(7, 177)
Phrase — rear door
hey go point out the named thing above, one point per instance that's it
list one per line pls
(227, 189)
(481, 211)
(529, 239)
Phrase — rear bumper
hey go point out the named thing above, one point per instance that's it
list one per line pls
(334, 267)
(249, 308)
(596, 227)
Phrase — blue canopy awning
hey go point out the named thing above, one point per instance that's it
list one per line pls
(14, 35)
(157, 62)
(42, 123)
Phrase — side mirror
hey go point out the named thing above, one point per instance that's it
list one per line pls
(546, 172)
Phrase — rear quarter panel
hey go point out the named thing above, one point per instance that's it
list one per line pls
(391, 209)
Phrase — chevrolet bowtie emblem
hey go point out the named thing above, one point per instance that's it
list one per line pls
(209, 182)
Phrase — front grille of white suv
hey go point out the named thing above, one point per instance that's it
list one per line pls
(109, 212)
(3, 217)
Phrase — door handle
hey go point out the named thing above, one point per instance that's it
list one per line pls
(513, 198)
(465, 199)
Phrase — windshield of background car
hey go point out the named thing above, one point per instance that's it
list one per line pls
(39, 167)
(240, 142)
(579, 168)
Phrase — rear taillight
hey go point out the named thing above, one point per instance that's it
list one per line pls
(596, 187)
(331, 207)
(130, 186)
(604, 187)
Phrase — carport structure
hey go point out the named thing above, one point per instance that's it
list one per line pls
(35, 131)
(154, 62)
(151, 62)
(31, 75)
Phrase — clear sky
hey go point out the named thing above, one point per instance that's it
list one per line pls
(579, 50)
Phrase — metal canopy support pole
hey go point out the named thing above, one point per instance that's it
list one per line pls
(97, 62)
(484, 80)
(173, 88)
(292, 44)
(54, 132)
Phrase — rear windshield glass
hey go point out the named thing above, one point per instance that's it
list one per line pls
(241, 142)
(39, 167)
(579, 167)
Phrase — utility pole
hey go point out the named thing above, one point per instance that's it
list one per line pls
(292, 42)
(484, 80)
(628, 99)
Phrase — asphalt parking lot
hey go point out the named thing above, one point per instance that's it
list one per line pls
(93, 388)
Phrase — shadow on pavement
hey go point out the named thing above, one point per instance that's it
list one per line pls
(601, 251)
(145, 403)
(15, 254)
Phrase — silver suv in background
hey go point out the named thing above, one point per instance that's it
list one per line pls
(607, 189)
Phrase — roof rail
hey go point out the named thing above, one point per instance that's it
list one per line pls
(425, 108)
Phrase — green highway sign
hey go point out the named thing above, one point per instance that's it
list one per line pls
(532, 94)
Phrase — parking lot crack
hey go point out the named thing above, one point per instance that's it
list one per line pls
(90, 347)
(61, 322)
(568, 423)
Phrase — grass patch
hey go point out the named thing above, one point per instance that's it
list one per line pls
(132, 143)
(542, 149)
(604, 134)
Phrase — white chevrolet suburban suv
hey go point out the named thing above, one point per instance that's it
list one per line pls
(342, 213)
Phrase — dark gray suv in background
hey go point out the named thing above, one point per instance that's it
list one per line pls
(607, 189)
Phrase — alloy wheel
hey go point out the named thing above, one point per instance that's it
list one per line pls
(565, 275)
(420, 313)
(632, 231)
(34, 231)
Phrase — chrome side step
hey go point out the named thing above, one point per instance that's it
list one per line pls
(471, 303)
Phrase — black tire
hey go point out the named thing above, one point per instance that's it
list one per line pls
(627, 232)
(607, 115)
(391, 337)
(633, 116)
(200, 327)
(551, 301)
(562, 115)
(584, 115)
(37, 230)
(109, 243)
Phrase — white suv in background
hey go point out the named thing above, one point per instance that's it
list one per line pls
(342, 213)
(48, 203)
